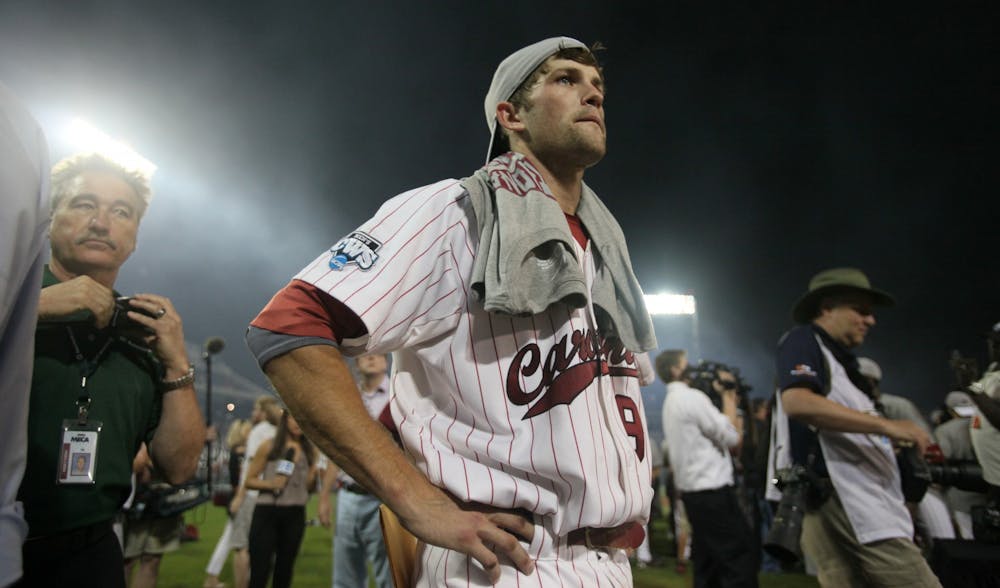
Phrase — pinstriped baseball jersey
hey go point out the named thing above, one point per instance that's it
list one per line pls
(535, 412)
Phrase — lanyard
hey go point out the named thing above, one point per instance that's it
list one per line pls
(87, 369)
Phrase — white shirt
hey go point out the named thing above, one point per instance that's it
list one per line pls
(260, 433)
(698, 439)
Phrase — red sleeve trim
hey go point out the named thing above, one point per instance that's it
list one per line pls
(303, 310)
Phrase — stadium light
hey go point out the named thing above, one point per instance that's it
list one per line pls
(670, 304)
(84, 136)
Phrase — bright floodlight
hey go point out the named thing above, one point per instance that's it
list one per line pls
(86, 137)
(658, 304)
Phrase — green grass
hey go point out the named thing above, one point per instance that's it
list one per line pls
(185, 568)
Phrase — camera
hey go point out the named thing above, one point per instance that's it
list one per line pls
(782, 540)
(964, 475)
(122, 325)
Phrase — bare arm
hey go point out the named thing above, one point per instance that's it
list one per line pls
(323, 507)
(256, 468)
(804, 405)
(180, 435)
(317, 386)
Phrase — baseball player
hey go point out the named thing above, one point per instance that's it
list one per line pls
(518, 339)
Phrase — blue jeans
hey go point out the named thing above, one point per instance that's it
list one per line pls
(358, 539)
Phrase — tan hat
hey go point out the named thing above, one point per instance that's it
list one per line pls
(827, 281)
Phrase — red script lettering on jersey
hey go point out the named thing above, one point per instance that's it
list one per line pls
(560, 381)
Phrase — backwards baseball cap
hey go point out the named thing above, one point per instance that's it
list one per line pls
(512, 72)
(827, 281)
(960, 403)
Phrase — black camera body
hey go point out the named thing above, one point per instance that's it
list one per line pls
(782, 540)
(122, 325)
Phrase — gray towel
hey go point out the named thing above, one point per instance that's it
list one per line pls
(526, 261)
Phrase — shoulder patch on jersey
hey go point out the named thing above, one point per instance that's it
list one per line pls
(358, 248)
(803, 370)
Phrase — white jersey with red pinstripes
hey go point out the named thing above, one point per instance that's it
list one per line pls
(530, 412)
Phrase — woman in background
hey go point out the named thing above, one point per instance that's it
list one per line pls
(236, 441)
(288, 463)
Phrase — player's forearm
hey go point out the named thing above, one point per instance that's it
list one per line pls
(179, 437)
(806, 406)
(317, 386)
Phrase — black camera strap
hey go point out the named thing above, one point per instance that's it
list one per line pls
(87, 369)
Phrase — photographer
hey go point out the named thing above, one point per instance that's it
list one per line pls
(148, 535)
(856, 527)
(985, 432)
(956, 445)
(700, 438)
(106, 378)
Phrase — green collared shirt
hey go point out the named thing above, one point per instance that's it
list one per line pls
(124, 397)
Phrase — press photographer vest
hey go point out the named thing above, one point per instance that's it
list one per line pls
(862, 467)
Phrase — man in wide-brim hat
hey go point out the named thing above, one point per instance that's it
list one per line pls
(858, 531)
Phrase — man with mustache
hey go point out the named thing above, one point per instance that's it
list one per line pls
(104, 381)
(518, 335)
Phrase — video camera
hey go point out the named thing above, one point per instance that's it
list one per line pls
(705, 372)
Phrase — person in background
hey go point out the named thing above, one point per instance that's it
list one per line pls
(283, 470)
(24, 187)
(266, 414)
(931, 514)
(955, 438)
(236, 442)
(700, 439)
(856, 528)
(357, 541)
(109, 375)
(147, 536)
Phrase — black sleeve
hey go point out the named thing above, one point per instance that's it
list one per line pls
(799, 362)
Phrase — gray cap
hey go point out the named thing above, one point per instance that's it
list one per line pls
(869, 369)
(961, 403)
(512, 72)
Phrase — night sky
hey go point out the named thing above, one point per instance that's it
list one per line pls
(748, 149)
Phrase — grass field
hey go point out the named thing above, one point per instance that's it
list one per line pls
(186, 568)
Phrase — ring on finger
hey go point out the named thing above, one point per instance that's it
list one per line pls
(161, 312)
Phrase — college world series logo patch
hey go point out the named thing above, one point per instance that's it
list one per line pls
(357, 248)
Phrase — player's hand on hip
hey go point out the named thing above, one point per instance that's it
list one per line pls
(81, 293)
(484, 535)
(168, 338)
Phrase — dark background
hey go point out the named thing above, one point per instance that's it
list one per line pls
(749, 148)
